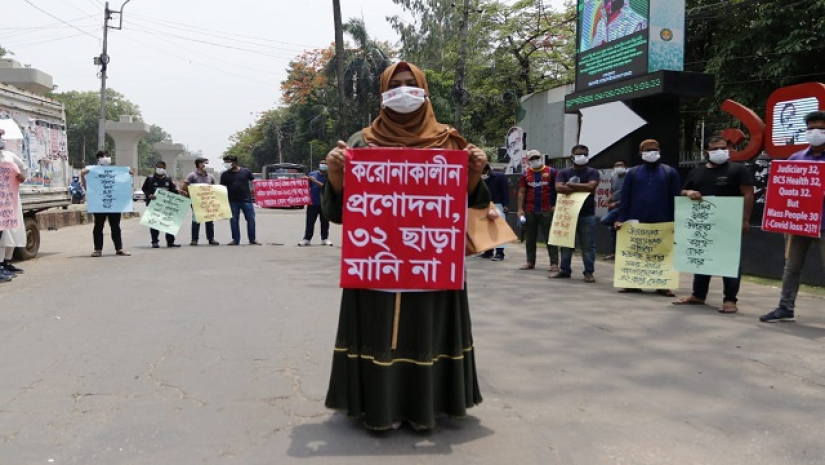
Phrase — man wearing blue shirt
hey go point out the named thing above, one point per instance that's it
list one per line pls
(316, 183)
(798, 245)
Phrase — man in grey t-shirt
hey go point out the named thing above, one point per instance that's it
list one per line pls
(616, 183)
(200, 176)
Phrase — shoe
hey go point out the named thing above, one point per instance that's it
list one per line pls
(7, 273)
(9, 267)
(193, 244)
(588, 278)
(498, 257)
(214, 242)
(123, 253)
(326, 242)
(155, 245)
(487, 254)
(303, 243)
(97, 253)
(559, 275)
(173, 246)
(777, 316)
(232, 243)
(5, 278)
(254, 243)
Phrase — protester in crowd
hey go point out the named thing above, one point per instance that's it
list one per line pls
(797, 246)
(159, 181)
(200, 176)
(718, 177)
(76, 189)
(314, 211)
(536, 201)
(580, 178)
(433, 369)
(616, 183)
(104, 159)
(9, 239)
(500, 195)
(648, 193)
(237, 181)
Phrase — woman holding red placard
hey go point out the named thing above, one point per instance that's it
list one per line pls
(432, 369)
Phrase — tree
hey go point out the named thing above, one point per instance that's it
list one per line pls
(4, 52)
(363, 69)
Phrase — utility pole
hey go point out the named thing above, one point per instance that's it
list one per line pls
(458, 87)
(339, 56)
(278, 133)
(103, 62)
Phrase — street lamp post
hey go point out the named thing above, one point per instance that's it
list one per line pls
(103, 62)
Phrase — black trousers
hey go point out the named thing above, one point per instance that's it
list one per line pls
(114, 226)
(313, 212)
(170, 239)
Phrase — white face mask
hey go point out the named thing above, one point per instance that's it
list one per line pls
(651, 157)
(160, 171)
(580, 160)
(619, 171)
(485, 176)
(816, 137)
(403, 99)
(227, 166)
(323, 168)
(104, 161)
(717, 157)
(536, 164)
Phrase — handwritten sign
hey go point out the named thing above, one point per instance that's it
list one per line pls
(404, 219)
(793, 203)
(644, 256)
(566, 218)
(9, 197)
(167, 212)
(603, 191)
(210, 202)
(282, 192)
(108, 189)
(708, 235)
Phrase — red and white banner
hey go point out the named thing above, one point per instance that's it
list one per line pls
(793, 202)
(404, 219)
(9, 196)
(282, 192)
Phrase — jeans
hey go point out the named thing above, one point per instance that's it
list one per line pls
(248, 214)
(536, 221)
(608, 220)
(701, 284)
(114, 226)
(797, 251)
(313, 212)
(170, 239)
(584, 233)
(196, 231)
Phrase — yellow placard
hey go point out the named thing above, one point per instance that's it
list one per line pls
(644, 256)
(566, 218)
(209, 202)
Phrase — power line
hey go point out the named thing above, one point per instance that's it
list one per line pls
(55, 17)
(45, 41)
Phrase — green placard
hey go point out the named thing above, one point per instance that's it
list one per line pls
(708, 235)
(167, 212)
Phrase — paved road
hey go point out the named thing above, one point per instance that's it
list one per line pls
(221, 355)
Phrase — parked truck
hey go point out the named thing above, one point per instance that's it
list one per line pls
(35, 130)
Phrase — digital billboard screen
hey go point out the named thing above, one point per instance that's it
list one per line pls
(789, 121)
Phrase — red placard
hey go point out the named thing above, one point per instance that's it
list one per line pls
(793, 202)
(404, 223)
(282, 192)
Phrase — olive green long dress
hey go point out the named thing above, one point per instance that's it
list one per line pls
(432, 370)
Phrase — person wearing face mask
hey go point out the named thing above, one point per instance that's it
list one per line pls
(432, 370)
(797, 246)
(237, 181)
(200, 176)
(536, 202)
(9, 239)
(616, 183)
(720, 178)
(159, 180)
(648, 193)
(500, 196)
(580, 178)
(104, 159)
(314, 211)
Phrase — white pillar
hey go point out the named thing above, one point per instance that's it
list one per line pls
(186, 164)
(127, 133)
(169, 152)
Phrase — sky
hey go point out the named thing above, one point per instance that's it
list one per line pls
(200, 70)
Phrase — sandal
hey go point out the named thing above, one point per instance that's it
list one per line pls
(553, 268)
(728, 308)
(97, 253)
(665, 292)
(123, 253)
(527, 266)
(689, 301)
(558, 275)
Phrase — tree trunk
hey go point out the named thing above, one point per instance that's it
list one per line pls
(339, 54)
